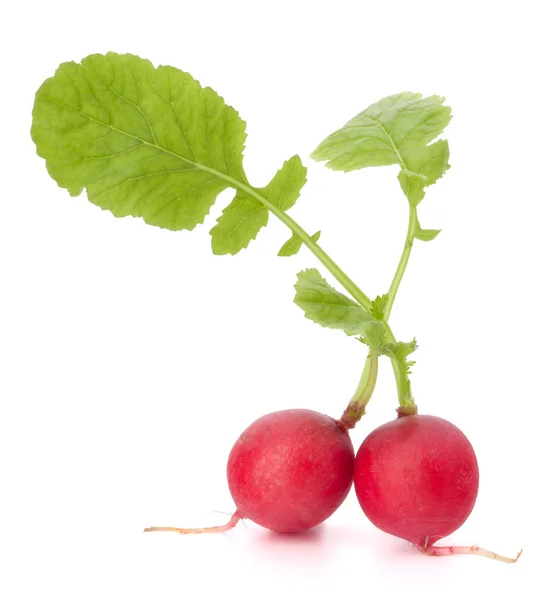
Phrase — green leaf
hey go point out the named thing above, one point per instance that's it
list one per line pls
(144, 142)
(425, 235)
(238, 225)
(399, 351)
(424, 167)
(328, 307)
(430, 161)
(413, 185)
(386, 133)
(378, 306)
(241, 220)
(284, 189)
(152, 143)
(293, 245)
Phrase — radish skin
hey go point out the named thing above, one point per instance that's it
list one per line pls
(417, 478)
(288, 471)
(291, 469)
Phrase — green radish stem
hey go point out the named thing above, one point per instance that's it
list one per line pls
(366, 385)
(313, 246)
(403, 262)
(357, 406)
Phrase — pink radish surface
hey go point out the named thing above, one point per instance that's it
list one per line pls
(290, 470)
(417, 478)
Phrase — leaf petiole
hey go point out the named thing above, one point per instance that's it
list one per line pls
(153, 143)
(357, 406)
(307, 239)
(403, 263)
(397, 130)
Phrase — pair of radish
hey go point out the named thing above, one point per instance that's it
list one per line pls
(152, 143)
(415, 477)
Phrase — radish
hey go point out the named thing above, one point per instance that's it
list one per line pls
(152, 143)
(288, 472)
(417, 478)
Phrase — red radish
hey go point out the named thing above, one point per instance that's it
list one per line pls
(288, 471)
(417, 478)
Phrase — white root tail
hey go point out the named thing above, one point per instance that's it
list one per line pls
(235, 518)
(476, 550)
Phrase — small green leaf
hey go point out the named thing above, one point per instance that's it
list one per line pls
(378, 306)
(293, 245)
(413, 185)
(424, 167)
(386, 133)
(425, 235)
(430, 161)
(399, 351)
(241, 221)
(238, 225)
(329, 308)
(284, 189)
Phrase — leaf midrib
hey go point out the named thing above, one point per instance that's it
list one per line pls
(345, 281)
(233, 182)
(396, 151)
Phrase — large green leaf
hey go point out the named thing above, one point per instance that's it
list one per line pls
(328, 307)
(152, 143)
(394, 131)
(384, 133)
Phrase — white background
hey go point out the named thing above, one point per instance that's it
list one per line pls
(132, 358)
